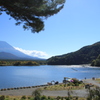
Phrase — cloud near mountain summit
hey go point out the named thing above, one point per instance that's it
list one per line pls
(33, 53)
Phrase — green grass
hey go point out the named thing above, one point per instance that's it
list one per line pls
(63, 87)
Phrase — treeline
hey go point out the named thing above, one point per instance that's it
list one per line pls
(21, 63)
(96, 62)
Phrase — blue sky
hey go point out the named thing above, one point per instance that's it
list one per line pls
(75, 26)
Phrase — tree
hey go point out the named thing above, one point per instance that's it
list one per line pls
(37, 94)
(94, 94)
(31, 12)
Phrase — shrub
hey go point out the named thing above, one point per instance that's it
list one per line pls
(37, 98)
(76, 84)
(43, 97)
(37, 92)
(2, 97)
(23, 97)
(67, 98)
(76, 98)
(29, 97)
(58, 97)
(49, 97)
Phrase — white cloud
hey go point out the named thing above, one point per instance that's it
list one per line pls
(33, 53)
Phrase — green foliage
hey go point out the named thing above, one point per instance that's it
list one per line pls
(83, 56)
(43, 97)
(31, 12)
(96, 62)
(6, 99)
(41, 62)
(94, 94)
(31, 63)
(37, 98)
(76, 84)
(37, 92)
(70, 84)
(19, 63)
(58, 98)
(25, 63)
(2, 97)
(23, 97)
(49, 97)
(67, 98)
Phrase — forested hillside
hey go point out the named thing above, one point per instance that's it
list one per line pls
(85, 55)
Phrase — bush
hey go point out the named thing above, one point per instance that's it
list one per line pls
(23, 97)
(37, 98)
(43, 97)
(37, 92)
(49, 97)
(2, 97)
(67, 98)
(58, 97)
(29, 97)
(70, 84)
(76, 98)
(76, 84)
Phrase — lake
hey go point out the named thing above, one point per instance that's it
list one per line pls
(19, 76)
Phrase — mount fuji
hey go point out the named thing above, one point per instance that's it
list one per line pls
(8, 52)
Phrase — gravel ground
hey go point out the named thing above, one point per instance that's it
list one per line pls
(79, 93)
(28, 91)
(20, 92)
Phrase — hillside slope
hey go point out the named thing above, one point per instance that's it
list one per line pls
(83, 56)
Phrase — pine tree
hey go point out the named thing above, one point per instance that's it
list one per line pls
(31, 13)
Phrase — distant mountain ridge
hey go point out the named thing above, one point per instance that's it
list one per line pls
(8, 56)
(9, 52)
(85, 55)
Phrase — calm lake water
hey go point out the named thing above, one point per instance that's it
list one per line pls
(18, 76)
